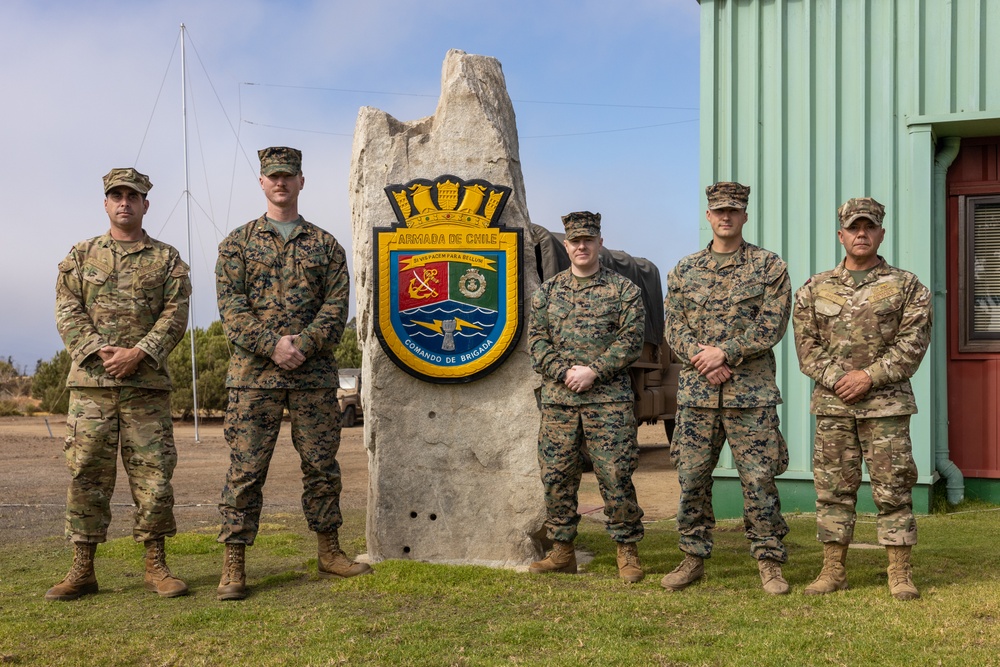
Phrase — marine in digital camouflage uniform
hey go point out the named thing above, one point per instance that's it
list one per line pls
(726, 307)
(585, 329)
(282, 287)
(121, 307)
(861, 331)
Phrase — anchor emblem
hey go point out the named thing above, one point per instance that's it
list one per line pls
(423, 290)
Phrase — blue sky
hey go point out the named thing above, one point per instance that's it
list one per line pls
(605, 94)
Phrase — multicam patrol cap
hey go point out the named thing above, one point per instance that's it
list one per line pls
(582, 223)
(861, 207)
(727, 194)
(130, 178)
(280, 159)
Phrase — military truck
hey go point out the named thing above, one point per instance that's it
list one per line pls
(654, 375)
(349, 396)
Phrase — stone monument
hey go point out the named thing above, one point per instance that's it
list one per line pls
(453, 468)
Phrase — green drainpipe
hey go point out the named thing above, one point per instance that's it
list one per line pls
(947, 151)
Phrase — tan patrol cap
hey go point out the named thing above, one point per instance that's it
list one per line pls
(860, 207)
(130, 178)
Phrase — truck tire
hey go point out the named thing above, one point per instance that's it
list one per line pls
(350, 418)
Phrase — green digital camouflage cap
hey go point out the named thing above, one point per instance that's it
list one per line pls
(582, 223)
(130, 178)
(861, 207)
(280, 160)
(727, 194)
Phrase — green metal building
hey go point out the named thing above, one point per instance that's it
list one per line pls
(811, 102)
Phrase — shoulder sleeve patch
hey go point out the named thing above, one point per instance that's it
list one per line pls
(180, 269)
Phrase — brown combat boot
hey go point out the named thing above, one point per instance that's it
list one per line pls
(158, 576)
(333, 562)
(629, 567)
(901, 574)
(81, 579)
(770, 576)
(689, 571)
(562, 558)
(233, 585)
(833, 576)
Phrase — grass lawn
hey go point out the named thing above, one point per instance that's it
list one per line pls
(412, 613)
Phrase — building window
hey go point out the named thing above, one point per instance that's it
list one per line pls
(979, 274)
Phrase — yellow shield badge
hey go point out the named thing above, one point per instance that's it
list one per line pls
(448, 279)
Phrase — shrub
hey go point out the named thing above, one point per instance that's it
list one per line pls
(14, 382)
(48, 384)
(348, 354)
(212, 356)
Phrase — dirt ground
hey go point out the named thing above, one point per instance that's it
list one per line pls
(33, 478)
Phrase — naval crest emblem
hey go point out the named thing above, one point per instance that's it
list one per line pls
(448, 279)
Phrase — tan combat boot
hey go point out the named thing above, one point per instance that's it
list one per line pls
(233, 585)
(901, 574)
(629, 567)
(562, 558)
(158, 576)
(770, 576)
(81, 579)
(689, 571)
(833, 576)
(333, 562)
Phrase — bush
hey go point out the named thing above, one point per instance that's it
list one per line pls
(14, 382)
(49, 383)
(212, 361)
(348, 354)
(18, 405)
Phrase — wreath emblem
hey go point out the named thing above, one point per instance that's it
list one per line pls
(472, 284)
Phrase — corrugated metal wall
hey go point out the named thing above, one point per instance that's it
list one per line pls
(814, 101)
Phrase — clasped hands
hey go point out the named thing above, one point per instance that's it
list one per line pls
(580, 378)
(711, 362)
(120, 362)
(853, 386)
(286, 355)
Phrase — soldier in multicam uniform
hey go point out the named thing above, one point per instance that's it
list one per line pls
(121, 307)
(282, 287)
(585, 330)
(726, 307)
(860, 333)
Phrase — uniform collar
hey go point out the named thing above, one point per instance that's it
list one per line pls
(108, 241)
(845, 275)
(264, 227)
(598, 278)
(739, 257)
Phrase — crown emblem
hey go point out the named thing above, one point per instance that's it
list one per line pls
(447, 200)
